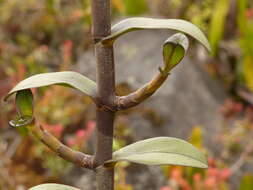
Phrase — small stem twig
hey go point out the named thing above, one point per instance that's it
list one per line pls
(135, 98)
(60, 149)
(13, 147)
(242, 159)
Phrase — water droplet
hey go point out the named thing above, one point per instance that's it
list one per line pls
(21, 121)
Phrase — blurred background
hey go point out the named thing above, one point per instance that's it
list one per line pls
(207, 100)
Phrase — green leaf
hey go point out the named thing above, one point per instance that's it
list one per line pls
(133, 7)
(66, 78)
(174, 49)
(53, 186)
(218, 23)
(140, 23)
(246, 183)
(161, 151)
(24, 104)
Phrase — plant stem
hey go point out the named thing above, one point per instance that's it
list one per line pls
(143, 93)
(106, 93)
(60, 149)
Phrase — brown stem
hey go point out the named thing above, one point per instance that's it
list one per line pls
(60, 149)
(106, 93)
(135, 98)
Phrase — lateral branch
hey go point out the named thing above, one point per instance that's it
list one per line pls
(63, 151)
(144, 92)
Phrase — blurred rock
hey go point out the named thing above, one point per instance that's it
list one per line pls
(81, 178)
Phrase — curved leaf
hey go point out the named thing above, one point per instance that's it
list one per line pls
(161, 151)
(174, 49)
(140, 23)
(24, 104)
(67, 78)
(53, 186)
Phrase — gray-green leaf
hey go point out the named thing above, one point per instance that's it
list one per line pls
(161, 151)
(140, 23)
(66, 78)
(53, 186)
(174, 49)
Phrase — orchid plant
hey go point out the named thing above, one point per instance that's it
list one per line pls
(153, 151)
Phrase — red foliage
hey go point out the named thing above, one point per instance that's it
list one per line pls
(249, 13)
(165, 188)
(67, 50)
(82, 135)
(56, 130)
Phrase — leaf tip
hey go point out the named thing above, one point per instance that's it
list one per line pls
(6, 97)
(178, 39)
(208, 47)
